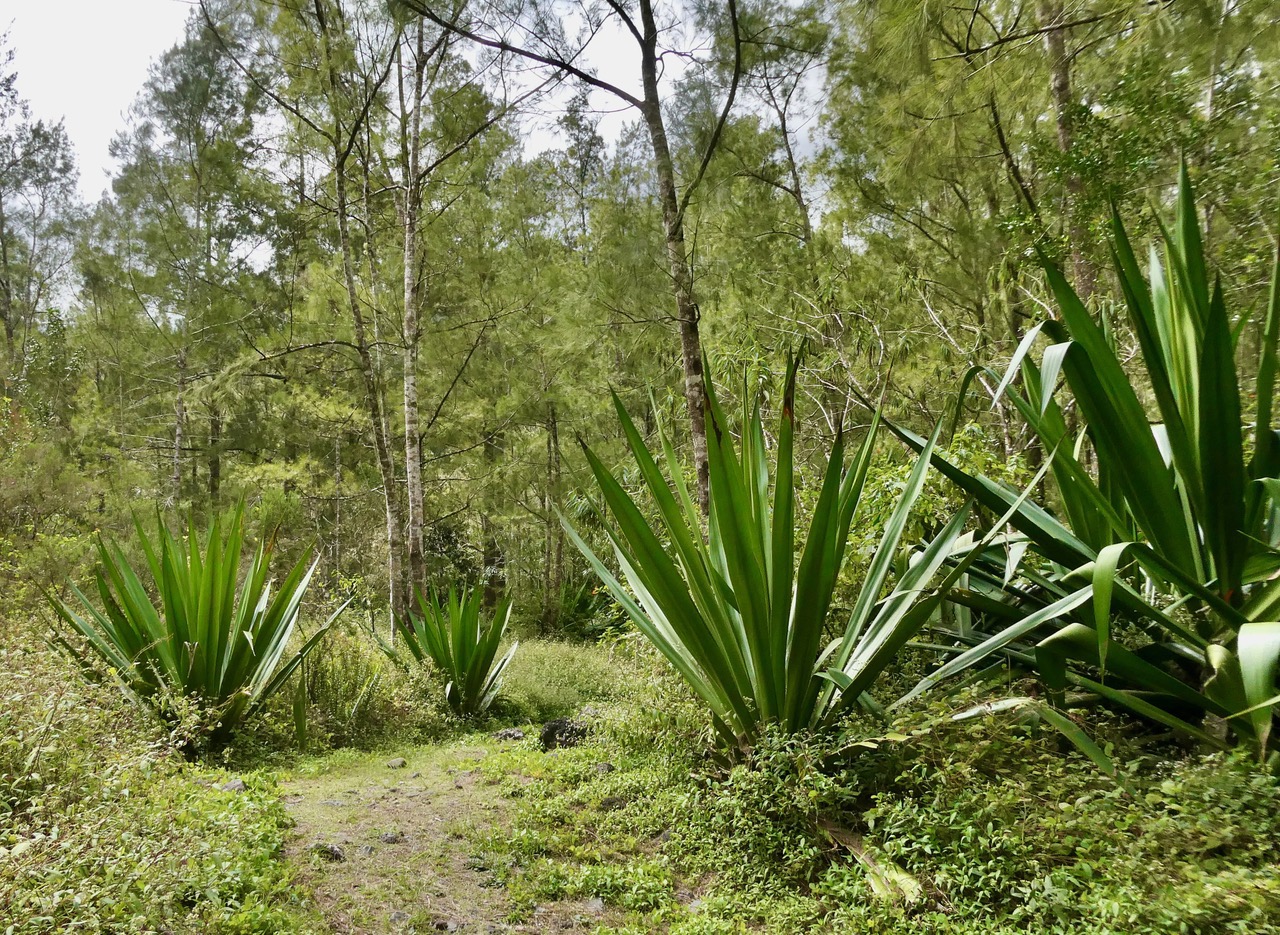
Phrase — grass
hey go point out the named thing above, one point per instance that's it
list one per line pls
(104, 828)
(998, 828)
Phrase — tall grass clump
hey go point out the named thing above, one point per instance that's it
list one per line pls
(197, 633)
(740, 606)
(461, 640)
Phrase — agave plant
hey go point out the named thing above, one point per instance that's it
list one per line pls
(1180, 504)
(462, 641)
(740, 613)
(195, 632)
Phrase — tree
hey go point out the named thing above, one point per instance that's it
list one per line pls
(490, 27)
(38, 212)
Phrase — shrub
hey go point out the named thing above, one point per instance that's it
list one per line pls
(460, 639)
(201, 640)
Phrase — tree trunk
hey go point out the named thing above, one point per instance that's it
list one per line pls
(6, 298)
(687, 313)
(179, 417)
(373, 392)
(494, 559)
(553, 551)
(215, 455)
(411, 149)
(1055, 43)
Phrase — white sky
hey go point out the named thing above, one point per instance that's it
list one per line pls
(85, 61)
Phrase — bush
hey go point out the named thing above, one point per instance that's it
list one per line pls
(203, 644)
(355, 698)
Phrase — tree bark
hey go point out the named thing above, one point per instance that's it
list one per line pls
(411, 149)
(368, 372)
(687, 312)
(1055, 43)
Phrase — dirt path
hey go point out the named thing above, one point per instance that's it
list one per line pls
(388, 848)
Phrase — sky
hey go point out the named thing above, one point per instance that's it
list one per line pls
(84, 61)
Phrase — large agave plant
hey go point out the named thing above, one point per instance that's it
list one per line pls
(462, 641)
(741, 611)
(198, 629)
(1181, 502)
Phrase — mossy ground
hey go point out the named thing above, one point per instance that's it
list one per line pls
(449, 864)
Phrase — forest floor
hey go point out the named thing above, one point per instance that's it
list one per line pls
(393, 843)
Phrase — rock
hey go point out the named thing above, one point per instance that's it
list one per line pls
(509, 733)
(329, 852)
(399, 917)
(605, 768)
(612, 803)
(443, 926)
(391, 837)
(234, 785)
(563, 732)
(366, 850)
(398, 763)
(595, 904)
(414, 775)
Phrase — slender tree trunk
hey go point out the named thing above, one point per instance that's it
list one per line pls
(687, 312)
(179, 418)
(6, 297)
(411, 150)
(553, 551)
(494, 560)
(215, 455)
(368, 372)
(1055, 43)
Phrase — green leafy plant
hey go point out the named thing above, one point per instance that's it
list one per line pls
(1181, 505)
(741, 613)
(201, 633)
(462, 641)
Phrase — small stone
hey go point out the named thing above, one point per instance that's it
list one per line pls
(366, 850)
(605, 768)
(235, 785)
(391, 837)
(397, 763)
(329, 852)
(563, 732)
(695, 906)
(443, 926)
(399, 917)
(414, 775)
(595, 904)
(509, 733)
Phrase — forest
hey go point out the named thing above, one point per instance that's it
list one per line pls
(649, 466)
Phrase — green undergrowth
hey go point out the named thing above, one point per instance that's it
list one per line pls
(105, 828)
(925, 825)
